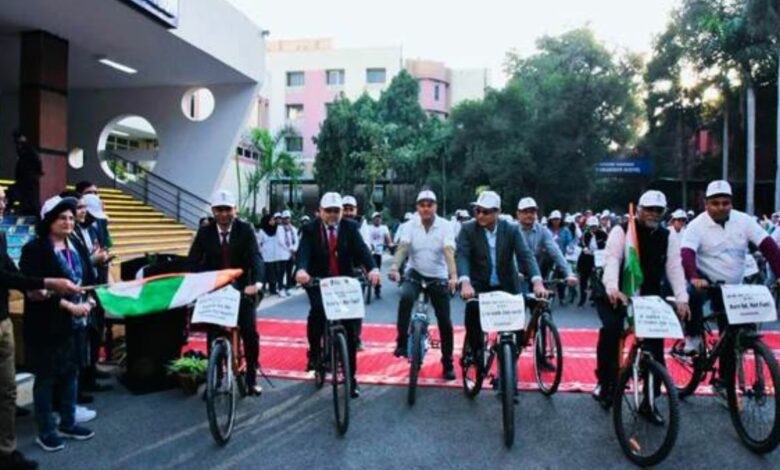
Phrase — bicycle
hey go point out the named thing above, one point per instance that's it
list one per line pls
(547, 345)
(639, 392)
(418, 338)
(334, 358)
(477, 366)
(226, 375)
(750, 396)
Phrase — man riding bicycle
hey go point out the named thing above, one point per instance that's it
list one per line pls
(429, 243)
(486, 250)
(714, 247)
(331, 246)
(659, 255)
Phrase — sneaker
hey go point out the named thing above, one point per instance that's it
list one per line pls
(355, 389)
(602, 396)
(50, 443)
(448, 371)
(77, 433)
(84, 414)
(692, 345)
(16, 461)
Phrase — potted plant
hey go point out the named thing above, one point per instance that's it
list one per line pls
(190, 371)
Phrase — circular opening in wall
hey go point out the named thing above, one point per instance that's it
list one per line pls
(127, 148)
(197, 104)
(76, 158)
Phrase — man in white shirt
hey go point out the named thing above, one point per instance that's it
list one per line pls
(677, 224)
(377, 237)
(430, 245)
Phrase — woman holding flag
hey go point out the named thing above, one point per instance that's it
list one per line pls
(638, 254)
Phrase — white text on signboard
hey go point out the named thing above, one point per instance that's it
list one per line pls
(501, 311)
(748, 303)
(342, 298)
(218, 308)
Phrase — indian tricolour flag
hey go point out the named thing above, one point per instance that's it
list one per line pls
(160, 293)
(632, 270)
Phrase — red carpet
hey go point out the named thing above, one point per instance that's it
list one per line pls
(283, 354)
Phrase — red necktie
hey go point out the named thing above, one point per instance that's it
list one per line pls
(333, 262)
(225, 250)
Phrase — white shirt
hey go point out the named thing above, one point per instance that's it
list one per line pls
(271, 247)
(288, 238)
(720, 250)
(676, 235)
(615, 249)
(426, 248)
(375, 237)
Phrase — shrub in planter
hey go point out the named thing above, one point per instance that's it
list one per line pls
(190, 371)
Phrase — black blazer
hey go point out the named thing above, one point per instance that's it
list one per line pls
(47, 325)
(313, 255)
(10, 278)
(473, 256)
(206, 252)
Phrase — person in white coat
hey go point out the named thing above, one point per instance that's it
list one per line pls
(287, 235)
(271, 249)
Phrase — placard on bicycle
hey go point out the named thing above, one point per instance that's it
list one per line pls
(501, 311)
(218, 308)
(342, 298)
(748, 303)
(654, 318)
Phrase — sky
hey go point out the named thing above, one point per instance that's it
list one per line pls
(459, 33)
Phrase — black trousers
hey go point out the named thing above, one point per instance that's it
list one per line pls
(585, 268)
(474, 333)
(440, 299)
(607, 348)
(247, 328)
(317, 322)
(289, 273)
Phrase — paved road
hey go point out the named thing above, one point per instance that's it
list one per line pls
(291, 427)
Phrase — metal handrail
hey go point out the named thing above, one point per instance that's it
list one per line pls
(166, 196)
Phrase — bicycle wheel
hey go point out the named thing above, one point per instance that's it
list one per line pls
(548, 356)
(508, 386)
(646, 442)
(220, 392)
(684, 369)
(415, 360)
(752, 395)
(341, 380)
(473, 372)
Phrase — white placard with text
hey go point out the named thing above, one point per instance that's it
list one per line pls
(218, 308)
(600, 258)
(501, 311)
(751, 267)
(654, 318)
(573, 253)
(342, 298)
(748, 303)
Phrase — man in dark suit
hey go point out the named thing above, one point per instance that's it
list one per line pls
(486, 252)
(230, 243)
(331, 246)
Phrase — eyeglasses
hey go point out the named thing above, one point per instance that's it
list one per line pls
(654, 210)
(480, 211)
(332, 210)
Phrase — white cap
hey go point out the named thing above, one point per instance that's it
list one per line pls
(569, 219)
(679, 214)
(50, 204)
(605, 213)
(331, 200)
(349, 201)
(488, 200)
(426, 195)
(652, 198)
(592, 221)
(223, 198)
(286, 214)
(376, 214)
(94, 206)
(277, 215)
(555, 215)
(526, 203)
(543, 221)
(718, 188)
(462, 213)
(408, 216)
(305, 218)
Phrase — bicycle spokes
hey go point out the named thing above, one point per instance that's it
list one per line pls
(754, 395)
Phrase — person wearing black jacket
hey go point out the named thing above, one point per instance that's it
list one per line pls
(11, 278)
(230, 243)
(54, 326)
(592, 240)
(331, 246)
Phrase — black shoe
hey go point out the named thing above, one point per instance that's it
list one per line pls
(401, 351)
(650, 414)
(603, 396)
(16, 461)
(355, 390)
(96, 387)
(311, 364)
(448, 371)
(84, 399)
(22, 412)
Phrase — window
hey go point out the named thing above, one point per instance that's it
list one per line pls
(436, 92)
(294, 144)
(294, 111)
(376, 75)
(295, 79)
(334, 77)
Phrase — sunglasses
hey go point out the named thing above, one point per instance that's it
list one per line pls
(654, 210)
(425, 205)
(332, 210)
(480, 211)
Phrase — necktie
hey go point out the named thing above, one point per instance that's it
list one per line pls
(225, 250)
(333, 261)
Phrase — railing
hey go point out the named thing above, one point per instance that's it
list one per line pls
(156, 191)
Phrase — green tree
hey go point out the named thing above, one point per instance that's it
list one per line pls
(337, 166)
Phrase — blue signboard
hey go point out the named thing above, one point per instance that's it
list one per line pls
(625, 167)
